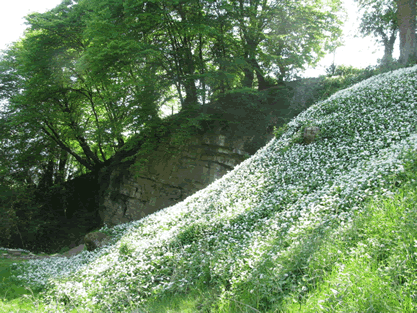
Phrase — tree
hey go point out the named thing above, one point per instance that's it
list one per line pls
(406, 16)
(52, 84)
(380, 19)
(90, 73)
(251, 19)
(169, 38)
(283, 36)
(301, 33)
(53, 94)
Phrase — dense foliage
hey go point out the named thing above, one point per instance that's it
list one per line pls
(89, 74)
(35, 218)
(380, 20)
(93, 81)
(259, 236)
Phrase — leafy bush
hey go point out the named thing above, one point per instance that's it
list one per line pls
(341, 77)
(278, 132)
(342, 70)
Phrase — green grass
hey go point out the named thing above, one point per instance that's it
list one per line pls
(15, 296)
(325, 227)
(375, 268)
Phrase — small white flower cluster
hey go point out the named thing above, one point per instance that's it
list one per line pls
(234, 231)
(17, 249)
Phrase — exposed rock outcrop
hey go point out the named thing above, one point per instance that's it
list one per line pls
(95, 240)
(310, 134)
(130, 194)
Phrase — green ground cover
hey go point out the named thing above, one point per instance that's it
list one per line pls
(15, 296)
(324, 227)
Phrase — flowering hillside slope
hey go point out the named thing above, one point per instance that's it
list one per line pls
(241, 234)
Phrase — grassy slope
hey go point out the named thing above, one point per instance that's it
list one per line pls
(290, 229)
(14, 295)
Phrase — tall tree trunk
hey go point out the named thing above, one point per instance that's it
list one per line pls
(191, 99)
(202, 68)
(49, 131)
(46, 179)
(249, 76)
(60, 175)
(388, 48)
(407, 24)
(250, 60)
(262, 83)
(282, 73)
(188, 70)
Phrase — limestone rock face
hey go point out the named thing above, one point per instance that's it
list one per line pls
(131, 194)
(95, 240)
